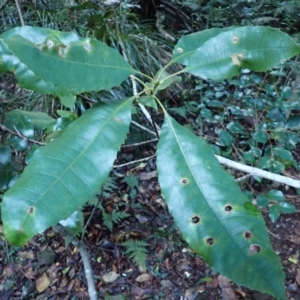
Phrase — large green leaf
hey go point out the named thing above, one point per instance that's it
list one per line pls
(66, 173)
(62, 64)
(254, 47)
(212, 213)
(187, 44)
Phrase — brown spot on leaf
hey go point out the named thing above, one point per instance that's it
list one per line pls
(248, 234)
(209, 241)
(31, 209)
(254, 248)
(195, 219)
(235, 39)
(228, 208)
(184, 181)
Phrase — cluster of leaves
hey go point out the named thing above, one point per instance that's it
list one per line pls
(68, 171)
(220, 13)
(228, 107)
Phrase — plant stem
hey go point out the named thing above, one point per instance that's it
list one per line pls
(85, 259)
(258, 172)
(134, 161)
(20, 12)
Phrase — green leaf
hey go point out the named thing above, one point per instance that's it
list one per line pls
(29, 154)
(39, 120)
(253, 47)
(275, 195)
(214, 216)
(67, 101)
(18, 143)
(187, 44)
(16, 121)
(235, 127)
(165, 80)
(262, 201)
(260, 136)
(60, 63)
(225, 137)
(287, 208)
(5, 155)
(293, 122)
(274, 212)
(5, 173)
(284, 154)
(60, 124)
(148, 101)
(66, 173)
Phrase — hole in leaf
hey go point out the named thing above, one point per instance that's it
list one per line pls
(254, 248)
(179, 50)
(195, 219)
(31, 209)
(228, 207)
(248, 234)
(49, 44)
(210, 241)
(235, 39)
(184, 181)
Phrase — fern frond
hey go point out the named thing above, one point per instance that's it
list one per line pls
(132, 181)
(136, 250)
(109, 186)
(113, 218)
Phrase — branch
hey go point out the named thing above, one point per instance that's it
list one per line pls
(159, 19)
(18, 134)
(20, 13)
(143, 128)
(258, 172)
(134, 161)
(85, 259)
(139, 144)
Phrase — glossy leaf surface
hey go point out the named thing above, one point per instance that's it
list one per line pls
(215, 217)
(187, 45)
(254, 47)
(39, 120)
(66, 173)
(62, 64)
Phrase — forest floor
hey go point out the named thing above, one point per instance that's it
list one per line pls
(48, 268)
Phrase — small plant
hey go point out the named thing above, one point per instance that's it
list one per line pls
(137, 251)
(114, 218)
(214, 216)
(276, 202)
